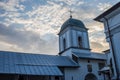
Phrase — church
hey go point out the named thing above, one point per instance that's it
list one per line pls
(75, 61)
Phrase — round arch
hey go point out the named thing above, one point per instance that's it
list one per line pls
(90, 76)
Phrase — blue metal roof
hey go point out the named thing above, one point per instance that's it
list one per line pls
(33, 64)
(73, 22)
(39, 59)
(31, 70)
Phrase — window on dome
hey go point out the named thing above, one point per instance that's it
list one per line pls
(64, 44)
(80, 42)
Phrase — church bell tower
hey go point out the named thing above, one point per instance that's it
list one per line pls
(73, 37)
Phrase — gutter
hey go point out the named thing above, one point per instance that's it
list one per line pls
(113, 51)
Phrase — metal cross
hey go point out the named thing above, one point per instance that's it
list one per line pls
(70, 13)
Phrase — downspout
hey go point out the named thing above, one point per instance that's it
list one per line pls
(113, 52)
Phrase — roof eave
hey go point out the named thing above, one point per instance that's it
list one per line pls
(76, 66)
(92, 58)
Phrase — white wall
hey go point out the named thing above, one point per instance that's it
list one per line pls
(116, 45)
(114, 24)
(84, 35)
(67, 36)
(82, 71)
(110, 56)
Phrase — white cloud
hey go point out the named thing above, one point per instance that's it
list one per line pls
(9, 5)
(41, 24)
(104, 6)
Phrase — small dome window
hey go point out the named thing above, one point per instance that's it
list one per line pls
(80, 42)
(64, 43)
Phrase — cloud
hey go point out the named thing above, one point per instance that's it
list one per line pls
(11, 5)
(27, 40)
(32, 25)
(98, 47)
(104, 6)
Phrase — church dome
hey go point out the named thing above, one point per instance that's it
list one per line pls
(73, 22)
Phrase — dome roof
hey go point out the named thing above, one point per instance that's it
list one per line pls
(73, 22)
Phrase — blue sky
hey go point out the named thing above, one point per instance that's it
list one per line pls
(32, 25)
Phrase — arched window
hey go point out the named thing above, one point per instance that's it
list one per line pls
(80, 42)
(64, 44)
(90, 76)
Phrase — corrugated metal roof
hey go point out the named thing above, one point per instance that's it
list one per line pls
(31, 70)
(38, 59)
(91, 56)
(34, 64)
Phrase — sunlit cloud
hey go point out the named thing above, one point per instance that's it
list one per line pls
(104, 6)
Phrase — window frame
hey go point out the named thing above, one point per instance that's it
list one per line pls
(80, 44)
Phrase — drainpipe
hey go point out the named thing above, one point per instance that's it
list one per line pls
(113, 52)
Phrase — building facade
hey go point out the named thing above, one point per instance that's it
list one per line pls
(111, 21)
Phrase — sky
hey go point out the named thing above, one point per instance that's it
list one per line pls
(32, 25)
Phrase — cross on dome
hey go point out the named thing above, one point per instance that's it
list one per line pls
(70, 13)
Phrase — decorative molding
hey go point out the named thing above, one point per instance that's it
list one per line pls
(72, 28)
(72, 48)
(113, 31)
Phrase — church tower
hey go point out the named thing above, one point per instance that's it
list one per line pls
(73, 37)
